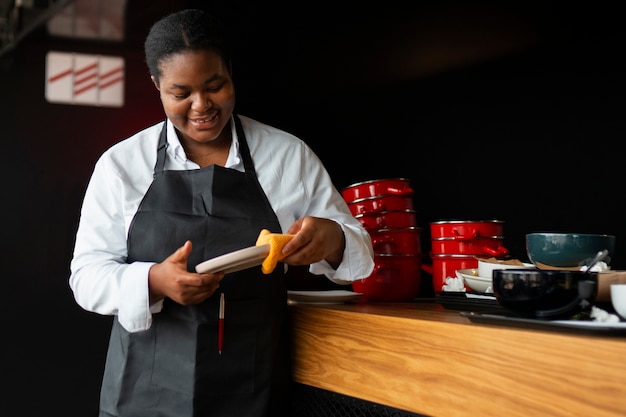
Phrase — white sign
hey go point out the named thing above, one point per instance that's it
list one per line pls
(89, 19)
(90, 80)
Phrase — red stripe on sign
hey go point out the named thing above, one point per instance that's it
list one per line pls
(85, 88)
(111, 82)
(60, 75)
(85, 79)
(111, 73)
(87, 68)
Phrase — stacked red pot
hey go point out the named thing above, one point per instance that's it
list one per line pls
(385, 209)
(456, 244)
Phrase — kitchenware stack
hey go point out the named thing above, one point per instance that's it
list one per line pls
(458, 244)
(385, 209)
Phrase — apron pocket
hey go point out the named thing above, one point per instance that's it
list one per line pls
(187, 357)
(174, 353)
(232, 372)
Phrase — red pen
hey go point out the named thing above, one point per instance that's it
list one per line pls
(220, 328)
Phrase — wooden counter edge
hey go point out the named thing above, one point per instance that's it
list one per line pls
(424, 360)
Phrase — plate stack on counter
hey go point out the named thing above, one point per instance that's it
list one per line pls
(458, 244)
(385, 209)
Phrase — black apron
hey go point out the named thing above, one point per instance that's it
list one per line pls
(174, 369)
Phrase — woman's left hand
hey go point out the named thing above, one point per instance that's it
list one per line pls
(315, 239)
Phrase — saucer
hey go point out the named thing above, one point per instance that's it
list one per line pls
(323, 297)
(235, 261)
(475, 282)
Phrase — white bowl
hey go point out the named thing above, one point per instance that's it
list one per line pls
(618, 299)
(471, 278)
(486, 268)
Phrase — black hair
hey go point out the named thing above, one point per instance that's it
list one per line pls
(185, 30)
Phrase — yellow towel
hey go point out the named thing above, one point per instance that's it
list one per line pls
(276, 241)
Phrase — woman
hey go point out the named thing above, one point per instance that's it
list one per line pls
(203, 183)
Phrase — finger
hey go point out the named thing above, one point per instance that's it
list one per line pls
(295, 227)
(293, 245)
(181, 254)
(211, 278)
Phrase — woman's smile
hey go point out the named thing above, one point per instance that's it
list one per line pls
(204, 122)
(198, 95)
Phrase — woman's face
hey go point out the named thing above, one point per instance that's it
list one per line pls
(197, 94)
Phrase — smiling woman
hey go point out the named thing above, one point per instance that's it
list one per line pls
(197, 93)
(203, 183)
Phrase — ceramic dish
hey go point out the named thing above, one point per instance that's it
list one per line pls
(476, 283)
(544, 293)
(567, 249)
(236, 261)
(486, 267)
(480, 283)
(323, 297)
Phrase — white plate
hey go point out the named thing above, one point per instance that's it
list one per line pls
(486, 268)
(236, 261)
(323, 297)
(472, 273)
(478, 284)
(581, 323)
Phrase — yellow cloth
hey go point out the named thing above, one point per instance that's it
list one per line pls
(276, 241)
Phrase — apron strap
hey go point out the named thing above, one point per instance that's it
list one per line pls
(249, 165)
(161, 149)
(243, 149)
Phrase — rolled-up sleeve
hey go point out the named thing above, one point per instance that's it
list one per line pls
(100, 278)
(297, 184)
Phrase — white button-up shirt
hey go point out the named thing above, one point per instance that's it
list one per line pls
(292, 176)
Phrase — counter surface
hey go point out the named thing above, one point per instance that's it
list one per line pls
(425, 359)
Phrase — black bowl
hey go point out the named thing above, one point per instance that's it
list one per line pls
(543, 293)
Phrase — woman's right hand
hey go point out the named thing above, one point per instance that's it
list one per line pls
(171, 279)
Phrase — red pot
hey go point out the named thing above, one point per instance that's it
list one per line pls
(489, 246)
(379, 204)
(446, 265)
(405, 241)
(373, 188)
(467, 230)
(388, 220)
(395, 278)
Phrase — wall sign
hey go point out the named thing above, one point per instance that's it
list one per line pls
(90, 80)
(90, 19)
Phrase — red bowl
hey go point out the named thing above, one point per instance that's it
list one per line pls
(478, 246)
(467, 229)
(388, 219)
(395, 278)
(400, 241)
(446, 265)
(374, 188)
(372, 205)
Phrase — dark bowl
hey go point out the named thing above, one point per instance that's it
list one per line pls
(567, 249)
(543, 293)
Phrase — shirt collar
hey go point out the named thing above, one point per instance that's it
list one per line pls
(174, 144)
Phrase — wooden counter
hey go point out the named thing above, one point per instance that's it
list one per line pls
(425, 359)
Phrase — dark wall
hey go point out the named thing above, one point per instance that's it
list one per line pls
(513, 114)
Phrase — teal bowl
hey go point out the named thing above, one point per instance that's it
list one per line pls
(567, 249)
